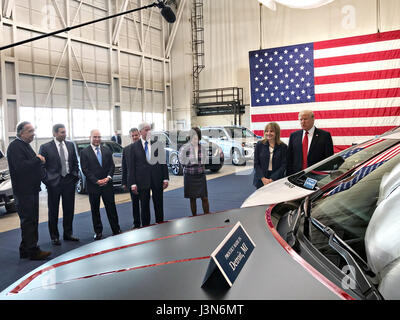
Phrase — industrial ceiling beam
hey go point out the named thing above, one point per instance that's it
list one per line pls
(175, 28)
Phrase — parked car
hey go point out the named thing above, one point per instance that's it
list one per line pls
(6, 192)
(315, 177)
(237, 142)
(340, 242)
(116, 150)
(174, 140)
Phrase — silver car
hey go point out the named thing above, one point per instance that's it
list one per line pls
(6, 192)
(237, 142)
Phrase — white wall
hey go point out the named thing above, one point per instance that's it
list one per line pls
(82, 77)
(181, 65)
(232, 29)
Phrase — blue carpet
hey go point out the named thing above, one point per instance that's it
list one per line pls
(227, 192)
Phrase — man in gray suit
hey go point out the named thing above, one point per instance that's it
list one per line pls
(61, 176)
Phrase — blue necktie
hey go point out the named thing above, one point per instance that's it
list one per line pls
(99, 156)
(146, 150)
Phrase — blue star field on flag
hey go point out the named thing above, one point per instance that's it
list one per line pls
(283, 75)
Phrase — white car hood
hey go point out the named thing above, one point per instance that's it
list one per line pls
(5, 185)
(275, 192)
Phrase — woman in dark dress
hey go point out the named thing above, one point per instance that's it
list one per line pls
(269, 157)
(193, 157)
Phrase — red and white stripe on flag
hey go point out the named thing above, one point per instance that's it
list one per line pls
(357, 90)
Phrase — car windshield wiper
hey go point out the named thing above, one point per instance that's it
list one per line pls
(359, 269)
(296, 215)
(291, 234)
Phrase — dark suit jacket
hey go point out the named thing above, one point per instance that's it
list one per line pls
(117, 139)
(26, 169)
(261, 162)
(52, 166)
(126, 163)
(93, 171)
(144, 172)
(321, 147)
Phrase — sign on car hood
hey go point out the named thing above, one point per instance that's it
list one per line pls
(275, 192)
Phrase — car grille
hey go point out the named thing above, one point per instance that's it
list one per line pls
(118, 170)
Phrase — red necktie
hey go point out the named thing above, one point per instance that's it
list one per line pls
(305, 150)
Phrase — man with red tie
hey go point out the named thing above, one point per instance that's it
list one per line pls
(309, 145)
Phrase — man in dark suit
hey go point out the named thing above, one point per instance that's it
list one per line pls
(127, 169)
(98, 166)
(61, 176)
(117, 138)
(309, 145)
(26, 173)
(150, 172)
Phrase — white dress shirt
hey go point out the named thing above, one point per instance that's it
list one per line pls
(310, 136)
(271, 155)
(95, 152)
(148, 145)
(149, 150)
(64, 146)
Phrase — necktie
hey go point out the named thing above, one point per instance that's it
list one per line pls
(305, 150)
(146, 150)
(63, 162)
(99, 155)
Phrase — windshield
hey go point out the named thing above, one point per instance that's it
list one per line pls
(114, 147)
(239, 133)
(333, 167)
(347, 207)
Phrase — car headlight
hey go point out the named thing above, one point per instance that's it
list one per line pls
(5, 175)
(217, 152)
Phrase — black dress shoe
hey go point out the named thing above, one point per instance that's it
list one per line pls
(98, 236)
(23, 255)
(56, 242)
(118, 232)
(40, 255)
(70, 238)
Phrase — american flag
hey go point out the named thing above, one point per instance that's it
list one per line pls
(361, 147)
(351, 84)
(366, 169)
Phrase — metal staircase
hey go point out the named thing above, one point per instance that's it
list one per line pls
(197, 46)
(221, 101)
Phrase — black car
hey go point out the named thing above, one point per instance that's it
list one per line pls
(116, 150)
(174, 140)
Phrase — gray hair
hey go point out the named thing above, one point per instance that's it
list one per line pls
(20, 127)
(58, 126)
(142, 125)
(93, 130)
(133, 130)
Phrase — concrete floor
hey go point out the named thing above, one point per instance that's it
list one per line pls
(11, 221)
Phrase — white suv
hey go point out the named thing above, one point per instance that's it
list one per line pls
(237, 142)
